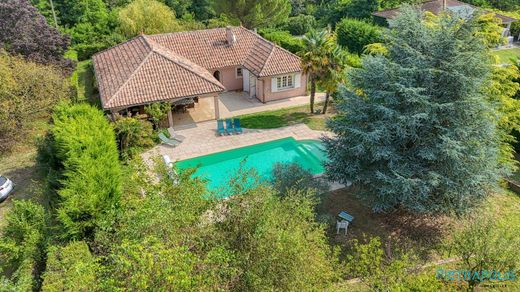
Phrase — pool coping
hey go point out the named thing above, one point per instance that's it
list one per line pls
(202, 140)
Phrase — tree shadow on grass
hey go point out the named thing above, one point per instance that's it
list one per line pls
(398, 229)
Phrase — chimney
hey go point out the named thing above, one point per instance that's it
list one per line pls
(230, 36)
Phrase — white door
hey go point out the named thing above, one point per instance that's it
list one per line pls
(252, 85)
(245, 79)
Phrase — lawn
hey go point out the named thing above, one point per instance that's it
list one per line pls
(505, 56)
(20, 166)
(83, 81)
(424, 233)
(286, 117)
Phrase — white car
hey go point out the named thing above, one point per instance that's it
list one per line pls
(6, 187)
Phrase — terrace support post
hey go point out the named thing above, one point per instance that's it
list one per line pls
(217, 111)
(170, 117)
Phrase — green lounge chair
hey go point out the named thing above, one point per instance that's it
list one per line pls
(229, 127)
(236, 125)
(168, 141)
(175, 136)
(220, 127)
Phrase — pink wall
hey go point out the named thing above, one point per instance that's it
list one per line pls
(270, 96)
(228, 78)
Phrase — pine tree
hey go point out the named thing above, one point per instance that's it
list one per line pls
(415, 131)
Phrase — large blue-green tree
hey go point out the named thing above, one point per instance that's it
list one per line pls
(415, 131)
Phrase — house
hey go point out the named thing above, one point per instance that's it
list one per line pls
(458, 7)
(187, 67)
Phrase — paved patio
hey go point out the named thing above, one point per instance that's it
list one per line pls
(202, 139)
(234, 103)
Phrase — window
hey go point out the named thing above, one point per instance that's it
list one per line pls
(285, 82)
(239, 72)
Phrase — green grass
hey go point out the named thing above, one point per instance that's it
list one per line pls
(422, 232)
(83, 81)
(286, 117)
(20, 166)
(505, 56)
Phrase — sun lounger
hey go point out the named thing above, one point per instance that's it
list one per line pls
(229, 127)
(220, 127)
(236, 125)
(168, 141)
(175, 136)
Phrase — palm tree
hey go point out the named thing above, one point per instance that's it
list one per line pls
(315, 59)
(334, 74)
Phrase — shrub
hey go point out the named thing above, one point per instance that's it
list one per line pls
(486, 245)
(356, 34)
(300, 24)
(287, 176)
(284, 39)
(26, 89)
(70, 268)
(157, 112)
(132, 135)
(387, 272)
(21, 246)
(82, 151)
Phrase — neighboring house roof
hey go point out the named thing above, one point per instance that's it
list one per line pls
(174, 65)
(436, 7)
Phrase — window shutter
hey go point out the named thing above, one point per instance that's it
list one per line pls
(274, 88)
(297, 80)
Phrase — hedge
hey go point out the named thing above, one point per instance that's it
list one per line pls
(284, 39)
(86, 161)
(355, 34)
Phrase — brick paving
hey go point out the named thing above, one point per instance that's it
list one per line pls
(202, 139)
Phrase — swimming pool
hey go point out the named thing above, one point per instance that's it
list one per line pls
(218, 167)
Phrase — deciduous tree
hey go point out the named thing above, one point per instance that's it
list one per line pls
(255, 13)
(355, 35)
(26, 32)
(149, 17)
(27, 90)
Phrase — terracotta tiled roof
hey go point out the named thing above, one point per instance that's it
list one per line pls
(175, 65)
(435, 7)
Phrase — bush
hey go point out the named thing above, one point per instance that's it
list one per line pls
(300, 24)
(157, 112)
(356, 34)
(284, 39)
(287, 176)
(70, 268)
(132, 135)
(21, 246)
(26, 89)
(486, 245)
(81, 150)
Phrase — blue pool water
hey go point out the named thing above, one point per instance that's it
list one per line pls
(217, 168)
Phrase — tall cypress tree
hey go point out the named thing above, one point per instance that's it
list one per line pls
(415, 131)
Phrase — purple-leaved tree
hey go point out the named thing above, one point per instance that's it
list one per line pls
(26, 32)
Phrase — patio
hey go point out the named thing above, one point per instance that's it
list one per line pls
(234, 103)
(202, 139)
